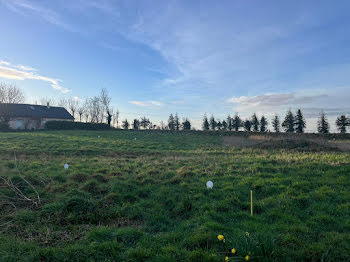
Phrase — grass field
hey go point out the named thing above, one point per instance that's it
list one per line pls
(141, 196)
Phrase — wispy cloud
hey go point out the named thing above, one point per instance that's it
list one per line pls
(24, 7)
(272, 100)
(332, 101)
(4, 63)
(147, 103)
(20, 72)
(26, 68)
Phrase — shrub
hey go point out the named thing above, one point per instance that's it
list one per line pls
(4, 126)
(67, 125)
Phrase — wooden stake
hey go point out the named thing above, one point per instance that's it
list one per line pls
(251, 202)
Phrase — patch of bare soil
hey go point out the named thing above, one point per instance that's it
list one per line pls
(284, 141)
(343, 145)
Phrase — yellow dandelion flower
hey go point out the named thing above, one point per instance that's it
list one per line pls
(247, 258)
(233, 251)
(221, 237)
(226, 258)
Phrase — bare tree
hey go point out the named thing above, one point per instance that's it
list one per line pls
(73, 105)
(106, 101)
(81, 111)
(3, 93)
(95, 109)
(10, 94)
(116, 116)
(112, 120)
(47, 101)
(5, 115)
(86, 106)
(63, 103)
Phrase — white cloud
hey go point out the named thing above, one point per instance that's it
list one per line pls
(332, 101)
(4, 63)
(262, 100)
(147, 103)
(9, 71)
(24, 6)
(26, 68)
(276, 100)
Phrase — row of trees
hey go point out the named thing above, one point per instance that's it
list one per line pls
(174, 124)
(292, 123)
(98, 109)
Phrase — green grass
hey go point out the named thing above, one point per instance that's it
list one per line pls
(144, 199)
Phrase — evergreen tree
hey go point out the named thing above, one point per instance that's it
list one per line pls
(224, 125)
(342, 123)
(125, 124)
(322, 124)
(276, 123)
(299, 122)
(177, 122)
(247, 125)
(229, 123)
(136, 124)
(171, 122)
(205, 124)
(186, 125)
(219, 125)
(236, 123)
(255, 123)
(212, 123)
(288, 123)
(144, 122)
(263, 124)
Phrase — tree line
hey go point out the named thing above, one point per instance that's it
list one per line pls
(98, 109)
(174, 124)
(292, 123)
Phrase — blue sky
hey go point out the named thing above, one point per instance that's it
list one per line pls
(191, 57)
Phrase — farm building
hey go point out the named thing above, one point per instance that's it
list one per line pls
(24, 116)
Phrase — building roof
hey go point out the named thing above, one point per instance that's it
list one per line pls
(36, 111)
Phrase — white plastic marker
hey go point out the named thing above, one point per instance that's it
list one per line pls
(66, 166)
(210, 185)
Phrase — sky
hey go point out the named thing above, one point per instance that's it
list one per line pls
(191, 57)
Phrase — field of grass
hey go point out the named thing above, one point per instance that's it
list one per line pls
(141, 196)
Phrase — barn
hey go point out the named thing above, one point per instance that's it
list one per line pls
(32, 117)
